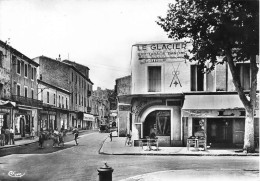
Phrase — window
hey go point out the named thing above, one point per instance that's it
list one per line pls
(26, 70)
(82, 101)
(154, 79)
(62, 101)
(18, 65)
(244, 74)
(66, 103)
(79, 81)
(54, 99)
(32, 92)
(72, 76)
(76, 79)
(32, 73)
(1, 58)
(72, 99)
(221, 77)
(18, 90)
(1, 121)
(25, 92)
(59, 101)
(76, 98)
(48, 97)
(79, 99)
(197, 78)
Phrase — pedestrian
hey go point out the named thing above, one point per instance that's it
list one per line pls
(2, 136)
(55, 138)
(12, 136)
(32, 133)
(61, 137)
(41, 139)
(7, 136)
(110, 136)
(76, 134)
(128, 138)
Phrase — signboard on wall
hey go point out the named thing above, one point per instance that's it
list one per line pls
(160, 52)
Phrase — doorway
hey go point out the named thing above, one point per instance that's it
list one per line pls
(220, 132)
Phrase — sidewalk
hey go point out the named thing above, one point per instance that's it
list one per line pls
(28, 141)
(117, 147)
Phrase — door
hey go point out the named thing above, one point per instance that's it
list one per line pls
(238, 131)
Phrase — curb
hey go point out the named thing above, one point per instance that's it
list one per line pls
(178, 154)
(173, 154)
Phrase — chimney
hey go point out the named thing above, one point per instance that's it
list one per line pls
(59, 59)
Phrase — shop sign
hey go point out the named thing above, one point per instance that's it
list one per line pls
(124, 107)
(160, 52)
(88, 117)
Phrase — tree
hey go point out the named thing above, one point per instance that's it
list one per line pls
(229, 28)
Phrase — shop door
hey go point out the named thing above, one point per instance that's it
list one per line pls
(22, 127)
(219, 132)
(239, 130)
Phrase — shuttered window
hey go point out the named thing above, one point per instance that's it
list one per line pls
(154, 79)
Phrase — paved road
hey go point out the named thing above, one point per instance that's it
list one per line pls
(81, 163)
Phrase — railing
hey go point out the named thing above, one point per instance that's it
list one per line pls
(26, 101)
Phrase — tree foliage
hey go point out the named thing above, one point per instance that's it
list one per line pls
(215, 26)
(228, 28)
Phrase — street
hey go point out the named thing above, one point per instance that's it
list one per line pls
(81, 163)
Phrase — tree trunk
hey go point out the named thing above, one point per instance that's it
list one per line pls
(249, 105)
(249, 146)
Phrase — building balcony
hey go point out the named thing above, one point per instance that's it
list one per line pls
(27, 101)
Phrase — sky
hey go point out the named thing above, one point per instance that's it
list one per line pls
(95, 33)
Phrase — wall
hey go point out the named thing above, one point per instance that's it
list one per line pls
(172, 62)
(123, 85)
(5, 76)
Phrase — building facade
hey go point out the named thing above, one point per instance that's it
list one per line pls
(66, 76)
(101, 106)
(171, 97)
(55, 110)
(20, 91)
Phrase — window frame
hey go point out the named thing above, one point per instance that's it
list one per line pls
(158, 88)
(48, 97)
(25, 70)
(18, 85)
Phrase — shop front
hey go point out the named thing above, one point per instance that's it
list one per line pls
(220, 117)
(89, 121)
(48, 120)
(159, 115)
(6, 109)
(23, 122)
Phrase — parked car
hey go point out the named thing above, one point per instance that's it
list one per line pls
(103, 129)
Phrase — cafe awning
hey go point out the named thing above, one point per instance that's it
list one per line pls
(212, 102)
(7, 103)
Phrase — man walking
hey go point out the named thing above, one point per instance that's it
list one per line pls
(76, 134)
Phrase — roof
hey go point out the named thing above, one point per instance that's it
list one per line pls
(70, 65)
(17, 53)
(55, 87)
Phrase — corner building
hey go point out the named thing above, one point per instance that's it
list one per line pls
(173, 98)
